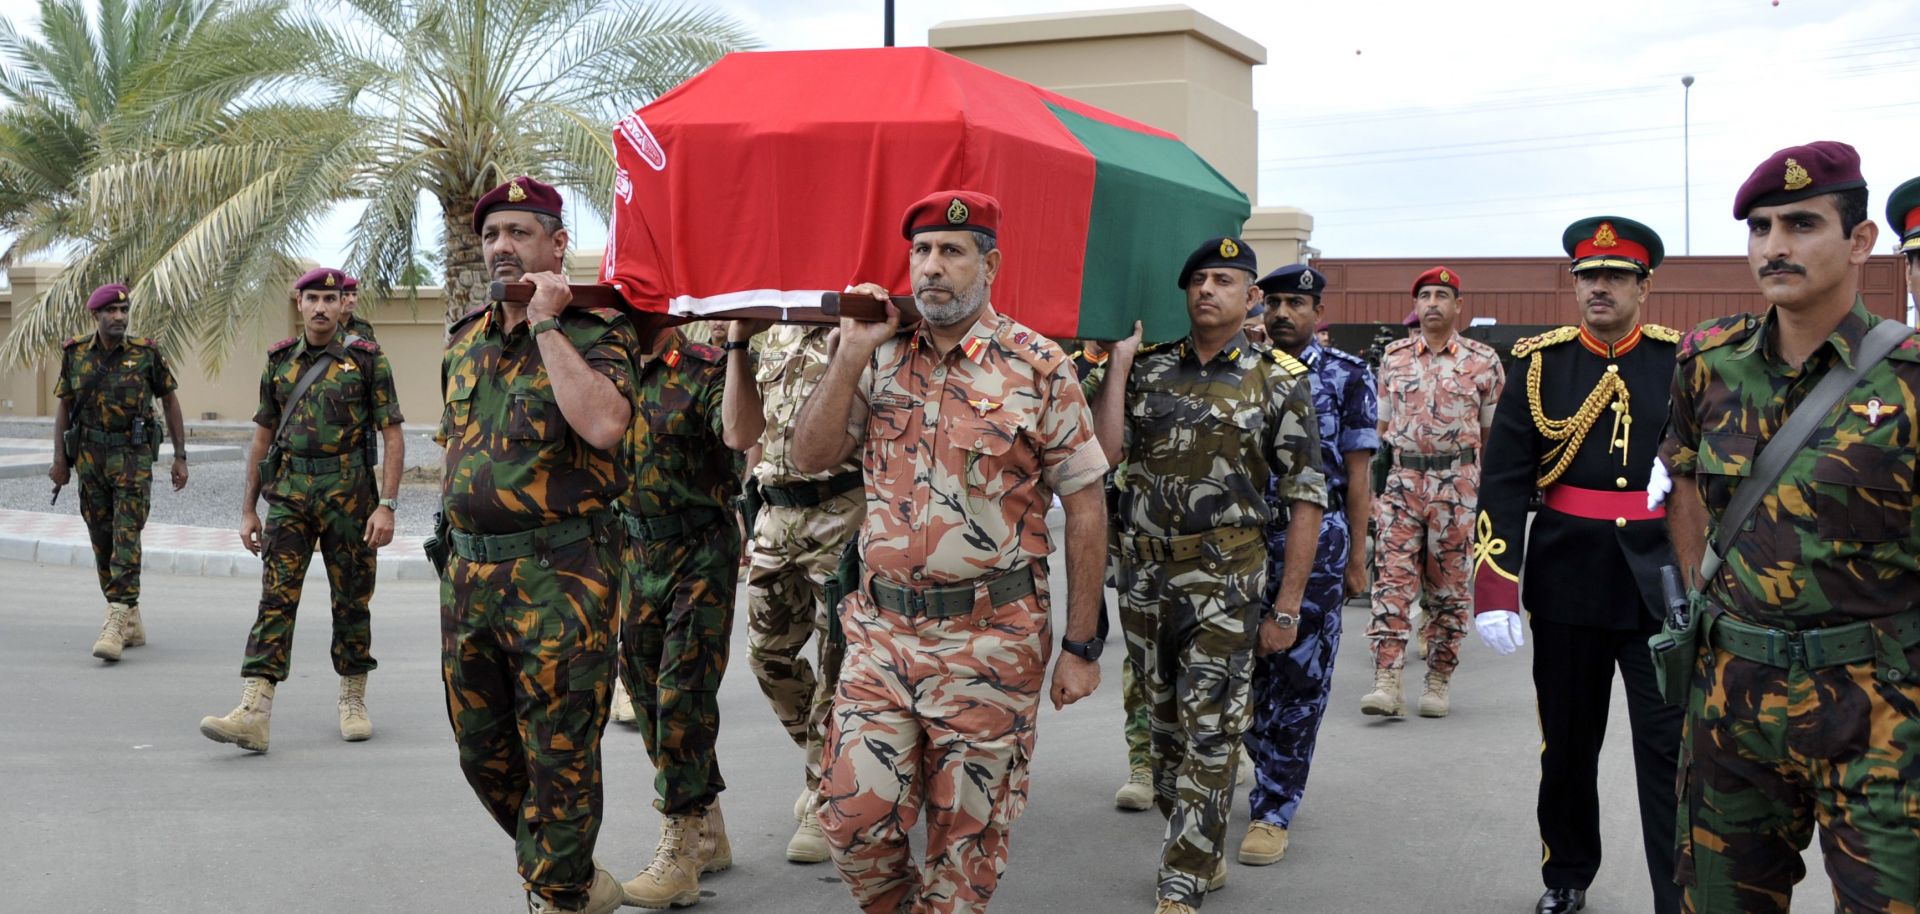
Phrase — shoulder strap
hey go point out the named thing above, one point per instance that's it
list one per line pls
(1793, 435)
(312, 374)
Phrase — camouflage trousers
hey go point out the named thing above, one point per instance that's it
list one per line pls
(330, 510)
(1190, 630)
(794, 552)
(526, 649)
(1137, 726)
(939, 714)
(674, 630)
(1769, 753)
(1425, 536)
(116, 491)
(1290, 687)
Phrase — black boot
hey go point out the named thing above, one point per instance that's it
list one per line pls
(1561, 901)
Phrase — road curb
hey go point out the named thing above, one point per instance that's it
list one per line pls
(52, 539)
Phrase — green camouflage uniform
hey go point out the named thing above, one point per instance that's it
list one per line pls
(321, 489)
(683, 559)
(1772, 749)
(527, 644)
(796, 549)
(358, 326)
(115, 472)
(1203, 441)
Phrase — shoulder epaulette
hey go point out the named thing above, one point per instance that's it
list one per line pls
(363, 344)
(603, 315)
(1153, 347)
(1031, 347)
(1716, 333)
(283, 345)
(1288, 363)
(73, 341)
(1474, 345)
(468, 317)
(1343, 355)
(1554, 337)
(1661, 332)
(144, 342)
(705, 353)
(1398, 345)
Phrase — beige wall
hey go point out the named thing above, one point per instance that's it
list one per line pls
(27, 391)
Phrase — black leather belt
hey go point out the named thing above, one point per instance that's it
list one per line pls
(944, 601)
(319, 466)
(1427, 463)
(668, 526)
(810, 494)
(505, 547)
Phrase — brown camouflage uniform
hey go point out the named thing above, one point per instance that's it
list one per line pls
(963, 451)
(1434, 404)
(795, 549)
(115, 473)
(527, 644)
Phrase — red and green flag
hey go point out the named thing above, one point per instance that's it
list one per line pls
(772, 177)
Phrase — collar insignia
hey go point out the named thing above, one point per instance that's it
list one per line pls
(672, 358)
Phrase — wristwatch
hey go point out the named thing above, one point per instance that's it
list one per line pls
(551, 323)
(1284, 620)
(1085, 650)
(736, 345)
(390, 503)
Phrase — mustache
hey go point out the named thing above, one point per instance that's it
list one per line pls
(503, 259)
(1782, 266)
(932, 287)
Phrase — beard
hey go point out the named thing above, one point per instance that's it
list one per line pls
(962, 305)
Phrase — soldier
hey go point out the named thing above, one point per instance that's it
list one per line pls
(1289, 690)
(322, 399)
(1205, 424)
(538, 402)
(1582, 430)
(104, 428)
(1903, 217)
(682, 560)
(354, 324)
(1438, 390)
(967, 425)
(798, 539)
(1804, 704)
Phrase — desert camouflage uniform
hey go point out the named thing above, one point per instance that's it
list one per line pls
(1772, 749)
(796, 550)
(1290, 687)
(115, 474)
(527, 644)
(321, 490)
(1203, 441)
(1434, 403)
(683, 560)
(963, 451)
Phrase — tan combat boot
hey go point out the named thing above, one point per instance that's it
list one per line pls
(134, 632)
(716, 852)
(247, 725)
(1265, 844)
(1218, 880)
(113, 633)
(802, 802)
(623, 705)
(672, 878)
(1433, 698)
(1420, 641)
(354, 725)
(809, 843)
(1137, 793)
(1170, 906)
(604, 897)
(1384, 700)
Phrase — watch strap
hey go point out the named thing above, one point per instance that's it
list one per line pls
(736, 345)
(551, 323)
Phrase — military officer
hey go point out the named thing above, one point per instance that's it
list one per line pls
(1804, 703)
(538, 402)
(1903, 219)
(105, 429)
(1582, 430)
(354, 324)
(967, 425)
(1438, 390)
(683, 560)
(322, 401)
(1290, 687)
(1204, 424)
(798, 540)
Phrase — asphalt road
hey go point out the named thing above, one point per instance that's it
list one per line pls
(116, 803)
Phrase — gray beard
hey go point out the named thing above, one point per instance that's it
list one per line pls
(963, 305)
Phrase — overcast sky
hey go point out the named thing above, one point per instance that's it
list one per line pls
(1483, 127)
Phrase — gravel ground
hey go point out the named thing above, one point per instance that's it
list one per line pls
(212, 496)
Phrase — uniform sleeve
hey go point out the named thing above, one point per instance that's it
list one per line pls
(1490, 396)
(1359, 420)
(1385, 403)
(1091, 379)
(267, 415)
(1680, 446)
(611, 354)
(1298, 471)
(1507, 475)
(710, 400)
(63, 386)
(1070, 456)
(857, 408)
(160, 378)
(386, 403)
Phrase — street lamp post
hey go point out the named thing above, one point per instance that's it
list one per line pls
(1686, 152)
(889, 5)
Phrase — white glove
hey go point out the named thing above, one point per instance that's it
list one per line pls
(1658, 484)
(1500, 629)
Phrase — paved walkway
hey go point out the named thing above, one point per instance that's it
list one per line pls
(61, 539)
(32, 456)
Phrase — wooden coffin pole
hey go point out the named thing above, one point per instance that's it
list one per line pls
(833, 306)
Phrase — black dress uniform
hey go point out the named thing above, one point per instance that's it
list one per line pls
(1580, 421)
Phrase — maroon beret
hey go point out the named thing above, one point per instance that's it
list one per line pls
(349, 284)
(106, 295)
(1438, 276)
(1412, 319)
(326, 279)
(1799, 172)
(953, 211)
(521, 193)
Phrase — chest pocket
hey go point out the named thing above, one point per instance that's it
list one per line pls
(453, 420)
(1863, 493)
(1725, 459)
(998, 454)
(892, 439)
(533, 414)
(347, 400)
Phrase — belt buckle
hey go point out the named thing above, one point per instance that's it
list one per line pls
(1808, 649)
(916, 602)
